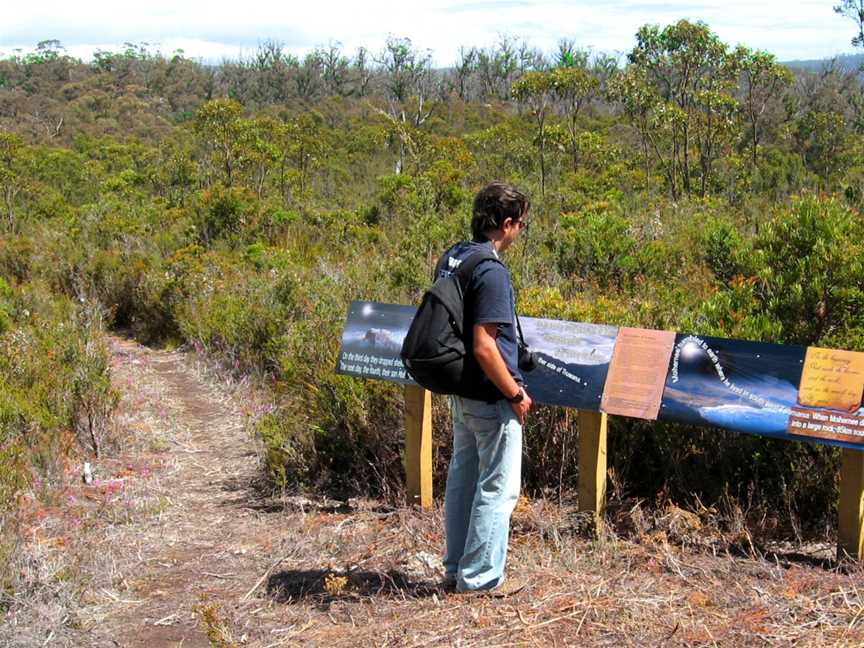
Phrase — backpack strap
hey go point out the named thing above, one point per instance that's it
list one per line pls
(437, 272)
(466, 269)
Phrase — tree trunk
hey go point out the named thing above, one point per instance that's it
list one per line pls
(400, 163)
(755, 142)
(228, 167)
(686, 171)
(542, 144)
(282, 182)
(262, 175)
(8, 196)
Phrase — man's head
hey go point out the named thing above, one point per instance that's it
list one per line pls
(499, 208)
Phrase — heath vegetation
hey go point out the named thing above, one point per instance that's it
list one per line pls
(237, 208)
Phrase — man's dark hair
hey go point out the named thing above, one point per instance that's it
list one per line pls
(494, 204)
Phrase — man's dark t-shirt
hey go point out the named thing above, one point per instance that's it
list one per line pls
(489, 299)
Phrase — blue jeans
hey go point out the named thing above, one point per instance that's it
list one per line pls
(482, 489)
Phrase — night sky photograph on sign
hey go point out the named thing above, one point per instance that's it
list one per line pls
(738, 385)
(572, 358)
(372, 340)
(572, 361)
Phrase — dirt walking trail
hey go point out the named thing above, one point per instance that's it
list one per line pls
(196, 549)
(206, 559)
(203, 560)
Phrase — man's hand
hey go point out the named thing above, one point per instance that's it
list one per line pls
(522, 407)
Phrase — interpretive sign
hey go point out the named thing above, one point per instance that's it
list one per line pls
(372, 340)
(832, 378)
(637, 376)
(733, 384)
(789, 392)
(572, 361)
(783, 391)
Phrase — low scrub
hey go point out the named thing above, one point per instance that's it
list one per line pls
(56, 397)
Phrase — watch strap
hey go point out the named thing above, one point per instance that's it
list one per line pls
(519, 397)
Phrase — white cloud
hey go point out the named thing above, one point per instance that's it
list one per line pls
(217, 28)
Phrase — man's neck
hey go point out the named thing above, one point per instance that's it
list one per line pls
(496, 238)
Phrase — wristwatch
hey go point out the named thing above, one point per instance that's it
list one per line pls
(519, 397)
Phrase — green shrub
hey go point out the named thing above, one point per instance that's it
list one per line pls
(5, 306)
(723, 250)
(222, 213)
(597, 244)
(54, 386)
(806, 281)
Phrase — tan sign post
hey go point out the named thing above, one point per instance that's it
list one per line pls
(850, 527)
(592, 464)
(418, 445)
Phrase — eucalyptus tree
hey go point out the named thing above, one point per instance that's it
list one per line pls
(574, 87)
(571, 56)
(408, 84)
(12, 180)
(684, 79)
(854, 10)
(300, 145)
(405, 69)
(465, 67)
(536, 89)
(361, 72)
(762, 79)
(658, 123)
(498, 66)
(308, 79)
(218, 125)
(336, 73)
(271, 65)
(259, 150)
(823, 142)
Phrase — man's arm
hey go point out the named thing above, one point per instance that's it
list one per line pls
(493, 365)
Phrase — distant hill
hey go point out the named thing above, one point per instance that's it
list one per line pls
(848, 62)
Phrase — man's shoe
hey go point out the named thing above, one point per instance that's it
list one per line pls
(510, 587)
(447, 585)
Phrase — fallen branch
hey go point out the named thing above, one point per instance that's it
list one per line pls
(263, 578)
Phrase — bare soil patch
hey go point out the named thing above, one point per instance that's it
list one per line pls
(173, 545)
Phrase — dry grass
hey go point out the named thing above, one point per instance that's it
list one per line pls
(176, 546)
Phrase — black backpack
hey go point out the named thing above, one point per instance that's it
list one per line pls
(437, 348)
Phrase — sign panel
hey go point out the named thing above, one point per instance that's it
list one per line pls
(372, 340)
(832, 378)
(733, 384)
(635, 383)
(768, 389)
(572, 358)
(572, 361)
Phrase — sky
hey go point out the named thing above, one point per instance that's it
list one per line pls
(218, 29)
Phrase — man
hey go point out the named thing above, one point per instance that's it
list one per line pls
(484, 475)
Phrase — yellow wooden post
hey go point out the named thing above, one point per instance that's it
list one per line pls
(592, 464)
(850, 532)
(418, 445)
